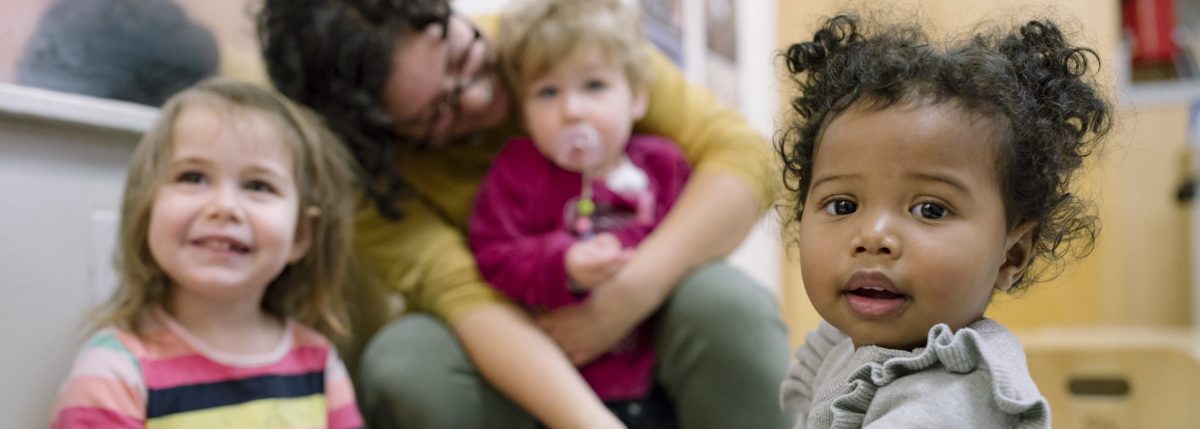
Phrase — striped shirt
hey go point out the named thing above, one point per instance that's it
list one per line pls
(170, 379)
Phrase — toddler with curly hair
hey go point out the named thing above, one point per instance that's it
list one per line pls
(925, 178)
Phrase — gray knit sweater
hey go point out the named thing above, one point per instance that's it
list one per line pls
(973, 378)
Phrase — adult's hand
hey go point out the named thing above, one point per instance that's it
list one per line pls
(527, 367)
(586, 331)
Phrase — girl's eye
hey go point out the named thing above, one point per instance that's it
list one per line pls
(595, 84)
(546, 92)
(931, 211)
(841, 207)
(260, 186)
(191, 177)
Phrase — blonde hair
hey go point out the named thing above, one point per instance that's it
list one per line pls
(309, 290)
(536, 35)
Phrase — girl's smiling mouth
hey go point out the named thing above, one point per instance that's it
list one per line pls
(221, 245)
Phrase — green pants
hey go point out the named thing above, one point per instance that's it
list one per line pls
(721, 352)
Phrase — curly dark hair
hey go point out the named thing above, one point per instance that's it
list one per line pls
(1047, 109)
(335, 57)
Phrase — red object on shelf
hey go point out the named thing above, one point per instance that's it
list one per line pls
(1152, 25)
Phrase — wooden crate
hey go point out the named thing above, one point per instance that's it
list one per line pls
(1118, 378)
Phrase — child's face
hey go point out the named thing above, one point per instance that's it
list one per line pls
(586, 94)
(224, 220)
(904, 226)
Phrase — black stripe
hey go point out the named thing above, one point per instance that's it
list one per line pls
(181, 399)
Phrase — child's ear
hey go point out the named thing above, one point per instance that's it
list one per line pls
(1018, 249)
(641, 101)
(306, 228)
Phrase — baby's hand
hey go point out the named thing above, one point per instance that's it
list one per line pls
(592, 262)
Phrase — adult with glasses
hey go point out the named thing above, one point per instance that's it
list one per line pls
(410, 88)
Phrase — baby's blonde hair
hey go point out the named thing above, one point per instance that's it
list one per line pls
(536, 35)
(308, 290)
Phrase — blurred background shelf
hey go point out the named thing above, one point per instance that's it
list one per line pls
(1118, 377)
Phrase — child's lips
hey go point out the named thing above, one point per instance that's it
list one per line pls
(874, 307)
(221, 244)
(872, 294)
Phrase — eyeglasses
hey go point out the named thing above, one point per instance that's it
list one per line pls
(448, 106)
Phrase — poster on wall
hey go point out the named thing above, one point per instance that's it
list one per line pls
(720, 19)
(700, 36)
(663, 22)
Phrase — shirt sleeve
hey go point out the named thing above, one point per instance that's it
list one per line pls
(424, 258)
(105, 387)
(515, 254)
(714, 139)
(339, 395)
(796, 390)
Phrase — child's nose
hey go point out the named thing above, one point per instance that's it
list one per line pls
(878, 237)
(223, 206)
(572, 105)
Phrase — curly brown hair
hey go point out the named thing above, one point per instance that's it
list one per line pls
(1037, 87)
(335, 57)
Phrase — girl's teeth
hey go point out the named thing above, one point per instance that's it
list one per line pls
(219, 245)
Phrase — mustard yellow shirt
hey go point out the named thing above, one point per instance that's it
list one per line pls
(424, 256)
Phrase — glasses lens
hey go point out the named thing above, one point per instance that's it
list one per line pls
(446, 110)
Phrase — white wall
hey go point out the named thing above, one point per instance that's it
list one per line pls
(62, 166)
(761, 253)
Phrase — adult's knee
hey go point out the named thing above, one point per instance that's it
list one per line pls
(720, 328)
(403, 367)
(415, 374)
(718, 298)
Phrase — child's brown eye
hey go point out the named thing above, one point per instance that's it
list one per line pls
(595, 85)
(929, 211)
(841, 207)
(260, 186)
(191, 177)
(546, 92)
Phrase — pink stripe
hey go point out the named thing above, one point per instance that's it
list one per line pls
(334, 370)
(105, 363)
(197, 369)
(80, 417)
(339, 392)
(346, 417)
(100, 393)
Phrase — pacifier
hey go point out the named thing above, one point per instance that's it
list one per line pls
(579, 149)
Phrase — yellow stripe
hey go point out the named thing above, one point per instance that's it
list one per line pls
(278, 413)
